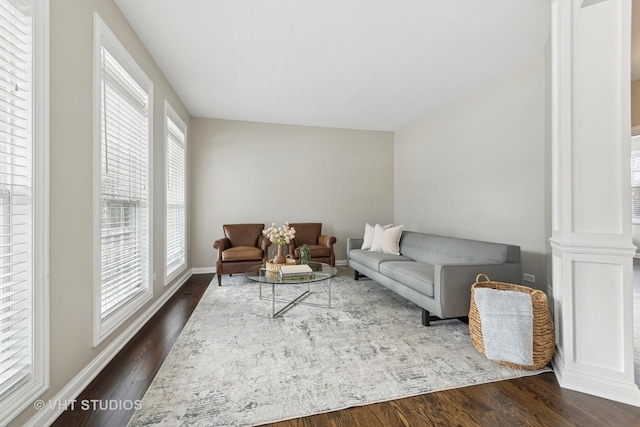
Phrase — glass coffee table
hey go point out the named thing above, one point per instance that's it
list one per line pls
(320, 272)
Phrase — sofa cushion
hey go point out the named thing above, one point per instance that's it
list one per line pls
(415, 275)
(387, 240)
(432, 249)
(369, 230)
(372, 260)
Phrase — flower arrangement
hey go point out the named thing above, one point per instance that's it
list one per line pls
(280, 235)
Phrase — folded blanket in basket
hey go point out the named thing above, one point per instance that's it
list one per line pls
(507, 325)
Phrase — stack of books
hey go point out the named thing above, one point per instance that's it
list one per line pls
(296, 272)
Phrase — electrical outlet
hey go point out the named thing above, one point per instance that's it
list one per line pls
(529, 278)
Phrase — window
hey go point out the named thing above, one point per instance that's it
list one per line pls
(635, 179)
(24, 352)
(123, 148)
(176, 145)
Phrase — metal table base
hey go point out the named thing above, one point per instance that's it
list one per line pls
(298, 300)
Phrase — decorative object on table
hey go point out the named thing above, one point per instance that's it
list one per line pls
(305, 254)
(296, 272)
(242, 247)
(543, 339)
(279, 257)
(281, 236)
(320, 245)
(271, 266)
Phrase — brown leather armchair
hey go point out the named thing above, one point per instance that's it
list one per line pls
(320, 246)
(242, 247)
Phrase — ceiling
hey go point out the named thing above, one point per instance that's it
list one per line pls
(356, 64)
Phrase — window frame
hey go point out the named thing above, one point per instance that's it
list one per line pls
(19, 397)
(171, 114)
(103, 36)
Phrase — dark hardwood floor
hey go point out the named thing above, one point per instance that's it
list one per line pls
(128, 376)
(530, 401)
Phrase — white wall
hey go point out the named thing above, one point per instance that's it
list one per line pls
(254, 172)
(475, 168)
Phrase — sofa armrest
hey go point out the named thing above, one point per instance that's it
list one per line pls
(354, 243)
(452, 283)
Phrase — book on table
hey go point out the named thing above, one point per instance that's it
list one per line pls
(296, 272)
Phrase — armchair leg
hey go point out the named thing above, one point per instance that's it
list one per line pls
(219, 279)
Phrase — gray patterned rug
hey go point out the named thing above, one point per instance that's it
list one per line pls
(233, 365)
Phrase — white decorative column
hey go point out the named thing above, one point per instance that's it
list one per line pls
(591, 212)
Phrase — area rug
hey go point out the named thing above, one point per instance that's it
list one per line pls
(234, 365)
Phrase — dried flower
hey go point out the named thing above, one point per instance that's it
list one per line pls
(280, 235)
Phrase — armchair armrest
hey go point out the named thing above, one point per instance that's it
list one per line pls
(264, 243)
(452, 283)
(327, 241)
(221, 245)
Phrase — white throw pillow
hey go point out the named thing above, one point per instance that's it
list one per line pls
(368, 235)
(387, 240)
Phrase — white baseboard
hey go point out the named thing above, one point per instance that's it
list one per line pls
(203, 270)
(72, 390)
(617, 391)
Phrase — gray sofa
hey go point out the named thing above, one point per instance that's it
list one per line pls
(436, 272)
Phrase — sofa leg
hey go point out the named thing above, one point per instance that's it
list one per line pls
(356, 275)
(426, 318)
(464, 319)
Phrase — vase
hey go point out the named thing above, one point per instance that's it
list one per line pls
(305, 254)
(280, 258)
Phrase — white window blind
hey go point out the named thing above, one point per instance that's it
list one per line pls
(124, 245)
(16, 199)
(175, 196)
(635, 185)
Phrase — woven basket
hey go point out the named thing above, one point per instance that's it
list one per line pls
(275, 268)
(543, 332)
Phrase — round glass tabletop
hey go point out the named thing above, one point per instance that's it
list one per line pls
(319, 271)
